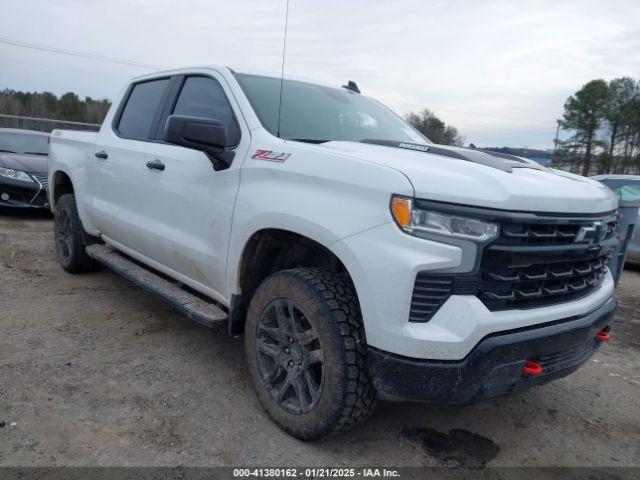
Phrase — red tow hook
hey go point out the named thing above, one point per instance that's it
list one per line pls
(603, 336)
(532, 368)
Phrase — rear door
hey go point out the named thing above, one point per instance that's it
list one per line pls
(188, 206)
(119, 159)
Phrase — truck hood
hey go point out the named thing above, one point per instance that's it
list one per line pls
(485, 179)
(26, 163)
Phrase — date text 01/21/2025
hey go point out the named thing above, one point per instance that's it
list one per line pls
(315, 472)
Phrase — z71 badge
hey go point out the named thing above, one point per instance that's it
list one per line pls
(270, 156)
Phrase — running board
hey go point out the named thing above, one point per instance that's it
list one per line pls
(197, 309)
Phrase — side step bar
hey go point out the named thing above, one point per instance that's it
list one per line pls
(194, 307)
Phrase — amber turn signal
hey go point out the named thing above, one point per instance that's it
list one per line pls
(401, 209)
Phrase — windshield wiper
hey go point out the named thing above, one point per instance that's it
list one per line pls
(2, 150)
(309, 140)
(35, 153)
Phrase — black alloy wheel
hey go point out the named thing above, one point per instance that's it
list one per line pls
(290, 356)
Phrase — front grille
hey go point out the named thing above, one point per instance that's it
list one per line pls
(535, 262)
(41, 200)
(511, 285)
(549, 261)
(43, 179)
(556, 233)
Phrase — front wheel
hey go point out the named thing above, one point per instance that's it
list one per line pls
(306, 352)
(70, 237)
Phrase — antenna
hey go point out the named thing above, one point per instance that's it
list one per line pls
(284, 50)
(353, 86)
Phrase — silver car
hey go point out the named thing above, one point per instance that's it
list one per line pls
(627, 188)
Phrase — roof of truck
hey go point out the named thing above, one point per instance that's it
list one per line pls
(178, 71)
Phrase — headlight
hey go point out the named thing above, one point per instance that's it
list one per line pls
(15, 174)
(411, 220)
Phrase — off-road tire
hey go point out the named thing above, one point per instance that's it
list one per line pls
(70, 237)
(331, 306)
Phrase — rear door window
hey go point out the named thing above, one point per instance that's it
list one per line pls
(204, 97)
(143, 104)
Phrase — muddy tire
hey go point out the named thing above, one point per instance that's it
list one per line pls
(70, 237)
(306, 353)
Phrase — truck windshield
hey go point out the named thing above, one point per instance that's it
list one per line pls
(315, 113)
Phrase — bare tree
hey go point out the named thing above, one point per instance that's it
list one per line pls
(434, 128)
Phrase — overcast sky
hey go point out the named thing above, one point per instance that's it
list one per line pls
(499, 71)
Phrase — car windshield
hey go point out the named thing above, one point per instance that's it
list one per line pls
(629, 193)
(315, 113)
(18, 142)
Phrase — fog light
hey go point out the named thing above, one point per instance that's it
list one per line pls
(5, 196)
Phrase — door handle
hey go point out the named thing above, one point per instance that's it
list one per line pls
(155, 165)
(102, 154)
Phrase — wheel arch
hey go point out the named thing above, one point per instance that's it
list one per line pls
(269, 250)
(61, 184)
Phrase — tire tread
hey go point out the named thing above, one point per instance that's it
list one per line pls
(340, 295)
(342, 313)
(79, 261)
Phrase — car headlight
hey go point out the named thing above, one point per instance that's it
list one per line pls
(412, 219)
(15, 174)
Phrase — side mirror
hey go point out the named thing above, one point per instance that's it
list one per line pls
(199, 133)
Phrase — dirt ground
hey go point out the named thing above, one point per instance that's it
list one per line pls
(93, 371)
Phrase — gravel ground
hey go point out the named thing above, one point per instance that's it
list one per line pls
(93, 371)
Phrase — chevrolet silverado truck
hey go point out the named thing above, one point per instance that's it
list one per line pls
(359, 259)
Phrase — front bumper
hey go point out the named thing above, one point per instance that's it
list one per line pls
(23, 194)
(495, 366)
(384, 278)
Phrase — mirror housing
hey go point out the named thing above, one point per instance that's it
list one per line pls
(199, 133)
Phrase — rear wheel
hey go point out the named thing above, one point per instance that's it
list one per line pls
(70, 237)
(306, 353)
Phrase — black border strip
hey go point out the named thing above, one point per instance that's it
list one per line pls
(507, 215)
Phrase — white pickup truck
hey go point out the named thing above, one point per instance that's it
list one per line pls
(359, 259)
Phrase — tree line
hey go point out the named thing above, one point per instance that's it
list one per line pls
(68, 106)
(427, 123)
(603, 119)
